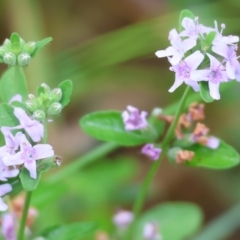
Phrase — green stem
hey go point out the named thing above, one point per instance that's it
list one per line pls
(90, 157)
(24, 216)
(45, 135)
(154, 167)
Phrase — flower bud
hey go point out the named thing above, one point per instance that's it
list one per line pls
(55, 108)
(31, 97)
(29, 47)
(7, 44)
(31, 105)
(56, 94)
(39, 115)
(46, 88)
(2, 51)
(9, 58)
(172, 154)
(24, 59)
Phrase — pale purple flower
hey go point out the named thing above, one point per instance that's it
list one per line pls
(34, 128)
(11, 142)
(183, 71)
(8, 226)
(192, 28)
(223, 39)
(133, 120)
(150, 232)
(213, 142)
(215, 75)
(4, 189)
(122, 219)
(28, 155)
(229, 53)
(151, 151)
(179, 47)
(6, 172)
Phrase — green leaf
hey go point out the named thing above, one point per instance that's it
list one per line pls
(66, 87)
(204, 92)
(183, 14)
(40, 44)
(176, 220)
(72, 231)
(7, 117)
(29, 183)
(15, 43)
(207, 42)
(13, 82)
(225, 156)
(109, 126)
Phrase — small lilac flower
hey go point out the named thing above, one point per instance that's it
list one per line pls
(28, 155)
(133, 120)
(183, 71)
(223, 39)
(192, 28)
(151, 151)
(5, 172)
(34, 128)
(122, 219)
(11, 142)
(213, 142)
(215, 75)
(229, 53)
(178, 49)
(8, 226)
(150, 232)
(4, 188)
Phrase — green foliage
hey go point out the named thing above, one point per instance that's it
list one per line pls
(40, 44)
(66, 87)
(206, 42)
(183, 14)
(13, 82)
(225, 156)
(73, 231)
(16, 45)
(109, 126)
(176, 220)
(204, 92)
(7, 117)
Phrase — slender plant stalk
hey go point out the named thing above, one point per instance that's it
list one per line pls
(45, 136)
(154, 167)
(90, 157)
(24, 216)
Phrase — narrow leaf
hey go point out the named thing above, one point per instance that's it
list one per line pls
(66, 87)
(204, 92)
(40, 44)
(7, 117)
(13, 82)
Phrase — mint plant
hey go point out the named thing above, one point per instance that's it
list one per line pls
(201, 57)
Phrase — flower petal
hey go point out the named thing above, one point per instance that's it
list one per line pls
(177, 83)
(5, 188)
(214, 90)
(3, 205)
(43, 151)
(32, 168)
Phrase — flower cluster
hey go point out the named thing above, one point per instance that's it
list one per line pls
(199, 53)
(21, 149)
(133, 120)
(47, 103)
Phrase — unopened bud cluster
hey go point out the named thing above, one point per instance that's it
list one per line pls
(15, 51)
(47, 103)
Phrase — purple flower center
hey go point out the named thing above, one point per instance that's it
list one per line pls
(215, 76)
(182, 69)
(28, 154)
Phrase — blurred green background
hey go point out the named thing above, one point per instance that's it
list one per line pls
(107, 48)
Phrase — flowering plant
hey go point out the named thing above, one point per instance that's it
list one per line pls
(200, 56)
